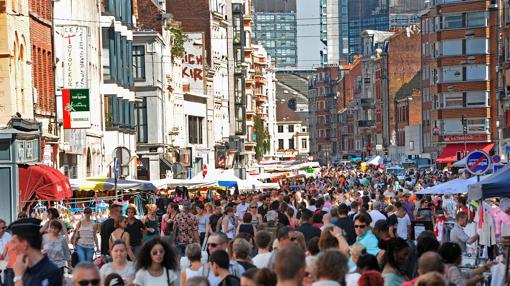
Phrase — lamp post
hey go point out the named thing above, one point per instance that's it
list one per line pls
(464, 132)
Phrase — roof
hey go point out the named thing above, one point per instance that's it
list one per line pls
(293, 84)
(284, 113)
(407, 89)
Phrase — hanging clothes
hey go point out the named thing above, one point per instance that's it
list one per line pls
(485, 226)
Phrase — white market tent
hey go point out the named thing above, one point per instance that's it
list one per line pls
(456, 186)
(169, 183)
(226, 178)
(375, 161)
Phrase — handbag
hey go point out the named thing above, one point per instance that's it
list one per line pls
(74, 258)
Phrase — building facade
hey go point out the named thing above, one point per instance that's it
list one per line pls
(275, 28)
(291, 137)
(459, 60)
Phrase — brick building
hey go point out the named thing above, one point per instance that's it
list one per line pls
(401, 62)
(504, 88)
(459, 59)
(42, 63)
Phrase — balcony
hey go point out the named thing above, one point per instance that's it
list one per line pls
(261, 99)
(366, 103)
(366, 123)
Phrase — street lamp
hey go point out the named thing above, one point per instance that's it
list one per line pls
(464, 132)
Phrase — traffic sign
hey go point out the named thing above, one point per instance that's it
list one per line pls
(478, 162)
(496, 159)
(204, 171)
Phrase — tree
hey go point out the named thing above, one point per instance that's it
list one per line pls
(261, 138)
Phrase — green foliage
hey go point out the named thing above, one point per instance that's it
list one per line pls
(179, 38)
(262, 138)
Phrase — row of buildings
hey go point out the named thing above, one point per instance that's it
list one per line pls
(176, 84)
(436, 89)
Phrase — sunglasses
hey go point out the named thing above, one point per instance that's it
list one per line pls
(293, 238)
(360, 225)
(253, 207)
(89, 282)
(213, 245)
(157, 251)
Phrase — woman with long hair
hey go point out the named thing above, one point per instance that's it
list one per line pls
(203, 220)
(120, 233)
(120, 263)
(85, 238)
(167, 221)
(157, 264)
(395, 258)
(256, 218)
(53, 214)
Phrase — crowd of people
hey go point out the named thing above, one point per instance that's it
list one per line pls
(343, 227)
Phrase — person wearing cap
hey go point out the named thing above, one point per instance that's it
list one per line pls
(186, 227)
(32, 267)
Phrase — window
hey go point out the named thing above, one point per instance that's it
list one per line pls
(127, 110)
(291, 128)
(452, 74)
(477, 72)
(477, 98)
(452, 21)
(280, 128)
(120, 105)
(118, 57)
(453, 100)
(139, 62)
(304, 143)
(411, 145)
(478, 125)
(452, 47)
(109, 111)
(141, 121)
(281, 144)
(195, 135)
(476, 19)
(108, 58)
(291, 144)
(476, 46)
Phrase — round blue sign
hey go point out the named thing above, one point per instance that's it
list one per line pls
(478, 162)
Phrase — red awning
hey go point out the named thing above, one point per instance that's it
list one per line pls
(46, 183)
(449, 153)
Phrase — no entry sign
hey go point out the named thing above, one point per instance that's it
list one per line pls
(478, 162)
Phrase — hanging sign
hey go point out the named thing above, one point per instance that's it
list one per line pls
(76, 105)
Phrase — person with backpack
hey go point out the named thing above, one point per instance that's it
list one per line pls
(218, 241)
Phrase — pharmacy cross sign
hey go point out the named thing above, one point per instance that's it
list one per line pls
(478, 162)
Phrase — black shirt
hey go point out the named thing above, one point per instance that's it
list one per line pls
(283, 219)
(263, 212)
(347, 225)
(213, 221)
(230, 280)
(44, 273)
(107, 227)
(135, 231)
(309, 231)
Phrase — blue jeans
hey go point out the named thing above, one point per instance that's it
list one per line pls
(8, 277)
(85, 254)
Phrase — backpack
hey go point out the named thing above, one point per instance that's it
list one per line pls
(206, 269)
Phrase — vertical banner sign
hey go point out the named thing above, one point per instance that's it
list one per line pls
(75, 57)
(76, 103)
(75, 92)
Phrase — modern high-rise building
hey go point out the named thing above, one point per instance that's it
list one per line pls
(276, 29)
(343, 21)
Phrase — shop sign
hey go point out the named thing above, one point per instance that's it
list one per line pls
(75, 56)
(76, 105)
(220, 156)
(452, 138)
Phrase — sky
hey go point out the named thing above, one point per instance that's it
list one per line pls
(308, 35)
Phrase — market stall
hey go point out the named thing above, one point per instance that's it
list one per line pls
(456, 186)
(496, 185)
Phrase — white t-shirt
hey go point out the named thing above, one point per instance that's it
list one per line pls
(128, 273)
(376, 216)
(261, 260)
(4, 240)
(402, 226)
(351, 279)
(144, 278)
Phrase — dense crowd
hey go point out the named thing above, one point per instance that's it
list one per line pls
(343, 227)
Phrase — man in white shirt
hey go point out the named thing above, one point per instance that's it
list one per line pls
(404, 223)
(375, 214)
(263, 242)
(242, 207)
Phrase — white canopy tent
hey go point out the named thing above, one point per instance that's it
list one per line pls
(227, 178)
(168, 183)
(375, 161)
(456, 186)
